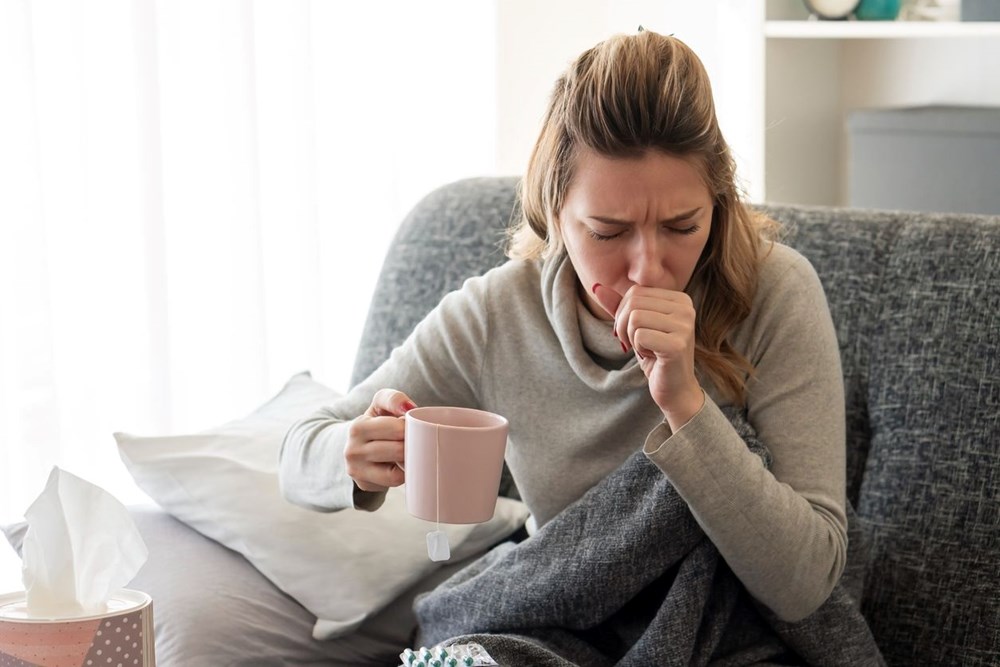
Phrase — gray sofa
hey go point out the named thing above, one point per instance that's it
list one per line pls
(916, 302)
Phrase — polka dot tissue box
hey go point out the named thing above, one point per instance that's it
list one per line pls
(80, 549)
(120, 637)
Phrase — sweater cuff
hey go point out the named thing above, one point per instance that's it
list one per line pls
(368, 501)
(662, 436)
(699, 452)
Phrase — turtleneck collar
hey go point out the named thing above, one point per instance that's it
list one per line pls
(591, 350)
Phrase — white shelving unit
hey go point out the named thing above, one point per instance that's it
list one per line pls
(785, 92)
(878, 29)
(784, 85)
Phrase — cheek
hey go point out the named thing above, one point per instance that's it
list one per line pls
(594, 263)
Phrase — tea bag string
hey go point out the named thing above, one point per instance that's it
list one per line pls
(437, 541)
(437, 475)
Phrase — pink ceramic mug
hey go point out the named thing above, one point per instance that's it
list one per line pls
(453, 459)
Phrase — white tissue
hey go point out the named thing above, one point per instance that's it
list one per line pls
(81, 547)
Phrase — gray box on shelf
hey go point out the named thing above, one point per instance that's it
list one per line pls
(981, 10)
(933, 159)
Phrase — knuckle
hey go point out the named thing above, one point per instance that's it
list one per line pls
(353, 470)
(356, 430)
(352, 455)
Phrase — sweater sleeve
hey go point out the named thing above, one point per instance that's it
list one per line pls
(782, 531)
(440, 363)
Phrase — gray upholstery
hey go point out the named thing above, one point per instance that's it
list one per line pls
(454, 233)
(916, 302)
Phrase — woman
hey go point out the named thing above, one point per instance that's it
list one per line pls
(641, 297)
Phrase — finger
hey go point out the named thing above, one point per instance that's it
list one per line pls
(643, 319)
(668, 317)
(368, 465)
(651, 301)
(659, 346)
(669, 346)
(607, 298)
(675, 323)
(384, 451)
(390, 403)
(381, 476)
(658, 293)
(650, 298)
(364, 429)
(610, 301)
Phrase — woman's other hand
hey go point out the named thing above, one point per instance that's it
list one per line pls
(374, 451)
(658, 324)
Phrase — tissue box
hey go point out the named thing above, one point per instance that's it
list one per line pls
(124, 634)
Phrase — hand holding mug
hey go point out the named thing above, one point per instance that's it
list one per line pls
(375, 452)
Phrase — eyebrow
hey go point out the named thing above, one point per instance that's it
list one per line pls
(677, 218)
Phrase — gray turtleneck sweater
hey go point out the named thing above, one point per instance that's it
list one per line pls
(518, 341)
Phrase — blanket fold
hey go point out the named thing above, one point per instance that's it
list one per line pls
(625, 576)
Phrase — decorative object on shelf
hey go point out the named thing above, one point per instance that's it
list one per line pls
(831, 10)
(932, 10)
(877, 10)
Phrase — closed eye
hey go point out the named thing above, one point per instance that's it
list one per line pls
(602, 237)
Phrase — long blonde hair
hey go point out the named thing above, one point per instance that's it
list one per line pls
(623, 97)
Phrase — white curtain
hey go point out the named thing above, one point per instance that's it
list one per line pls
(195, 197)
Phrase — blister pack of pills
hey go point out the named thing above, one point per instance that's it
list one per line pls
(456, 655)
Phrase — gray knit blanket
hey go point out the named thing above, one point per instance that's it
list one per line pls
(625, 576)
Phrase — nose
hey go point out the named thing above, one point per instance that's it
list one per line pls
(646, 261)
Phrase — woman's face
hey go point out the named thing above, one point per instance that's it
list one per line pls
(635, 221)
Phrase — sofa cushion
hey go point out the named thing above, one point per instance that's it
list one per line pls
(931, 493)
(342, 566)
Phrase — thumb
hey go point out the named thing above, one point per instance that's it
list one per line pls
(390, 403)
(607, 297)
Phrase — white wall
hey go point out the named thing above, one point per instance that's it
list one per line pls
(536, 41)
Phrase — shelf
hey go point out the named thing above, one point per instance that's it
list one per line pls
(879, 29)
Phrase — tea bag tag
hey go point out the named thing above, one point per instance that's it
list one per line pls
(437, 540)
(437, 546)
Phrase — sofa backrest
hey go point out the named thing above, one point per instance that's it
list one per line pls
(455, 232)
(915, 299)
